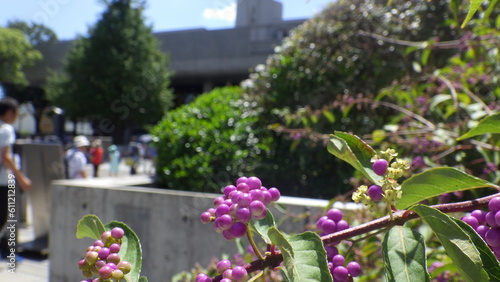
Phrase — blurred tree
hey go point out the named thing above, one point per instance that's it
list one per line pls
(36, 33)
(16, 53)
(117, 75)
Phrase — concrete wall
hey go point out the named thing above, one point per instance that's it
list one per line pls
(167, 223)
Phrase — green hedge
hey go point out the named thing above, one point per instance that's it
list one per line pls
(209, 143)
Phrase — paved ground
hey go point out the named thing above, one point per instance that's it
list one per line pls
(34, 267)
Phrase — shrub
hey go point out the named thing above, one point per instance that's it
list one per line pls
(209, 141)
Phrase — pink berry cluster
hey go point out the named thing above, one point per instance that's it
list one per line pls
(330, 223)
(102, 259)
(487, 224)
(246, 200)
(229, 273)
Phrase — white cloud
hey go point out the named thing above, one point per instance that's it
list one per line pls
(227, 13)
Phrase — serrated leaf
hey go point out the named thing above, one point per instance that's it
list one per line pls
(457, 243)
(490, 124)
(404, 255)
(474, 5)
(490, 262)
(437, 181)
(89, 226)
(304, 257)
(354, 151)
(130, 250)
(262, 226)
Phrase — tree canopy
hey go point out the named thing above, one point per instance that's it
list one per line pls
(16, 53)
(36, 33)
(116, 75)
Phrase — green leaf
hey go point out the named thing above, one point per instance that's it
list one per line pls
(143, 279)
(425, 56)
(304, 257)
(130, 250)
(490, 262)
(437, 181)
(404, 255)
(457, 243)
(474, 5)
(490, 124)
(89, 226)
(262, 226)
(353, 150)
(329, 116)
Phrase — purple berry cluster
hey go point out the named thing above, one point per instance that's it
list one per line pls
(102, 259)
(246, 200)
(229, 273)
(487, 224)
(330, 223)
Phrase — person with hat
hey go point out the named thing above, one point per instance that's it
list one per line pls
(76, 159)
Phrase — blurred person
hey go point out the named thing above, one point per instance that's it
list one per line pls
(8, 169)
(135, 152)
(114, 160)
(96, 154)
(76, 159)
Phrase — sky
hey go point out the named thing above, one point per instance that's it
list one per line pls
(69, 18)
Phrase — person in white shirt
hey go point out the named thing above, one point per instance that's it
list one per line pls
(10, 175)
(76, 158)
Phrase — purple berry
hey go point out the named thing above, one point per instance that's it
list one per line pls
(275, 194)
(331, 251)
(490, 219)
(83, 265)
(225, 222)
(480, 215)
(257, 195)
(221, 210)
(497, 217)
(321, 220)
(228, 189)
(235, 196)
(243, 187)
(342, 225)
(228, 274)
(471, 220)
(240, 180)
(218, 201)
(334, 214)
(340, 273)
(481, 230)
(104, 253)
(98, 243)
(202, 277)
(245, 200)
(257, 208)
(338, 260)
(376, 193)
(111, 265)
(254, 183)
(494, 204)
(329, 226)
(206, 217)
(262, 215)
(267, 197)
(243, 215)
(223, 265)
(105, 272)
(492, 237)
(114, 258)
(117, 233)
(380, 167)
(100, 264)
(106, 236)
(239, 273)
(227, 235)
(354, 268)
(91, 257)
(238, 229)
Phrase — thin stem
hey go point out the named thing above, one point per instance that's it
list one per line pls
(379, 225)
(256, 276)
(254, 246)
